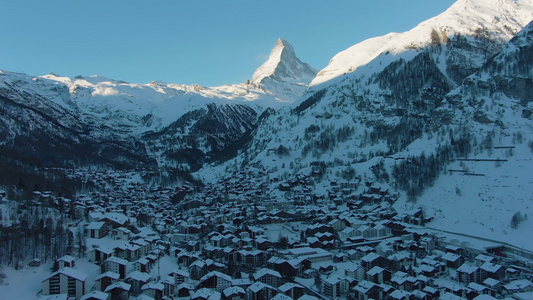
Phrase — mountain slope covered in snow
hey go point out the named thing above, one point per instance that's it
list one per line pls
(415, 109)
(488, 20)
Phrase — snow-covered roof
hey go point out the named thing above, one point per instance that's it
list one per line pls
(207, 294)
(153, 286)
(288, 286)
(450, 256)
(111, 275)
(95, 225)
(233, 290)
(374, 271)
(264, 271)
(118, 260)
(467, 268)
(490, 267)
(140, 276)
(97, 295)
(257, 286)
(120, 285)
(517, 285)
(217, 274)
(281, 297)
(78, 275)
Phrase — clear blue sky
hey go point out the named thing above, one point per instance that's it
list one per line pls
(205, 42)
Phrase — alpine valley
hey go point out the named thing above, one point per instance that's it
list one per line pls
(430, 128)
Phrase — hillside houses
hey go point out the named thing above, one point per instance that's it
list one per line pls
(233, 241)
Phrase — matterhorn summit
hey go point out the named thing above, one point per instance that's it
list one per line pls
(283, 74)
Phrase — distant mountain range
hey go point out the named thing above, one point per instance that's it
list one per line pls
(400, 110)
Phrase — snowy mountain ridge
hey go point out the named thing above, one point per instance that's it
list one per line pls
(501, 19)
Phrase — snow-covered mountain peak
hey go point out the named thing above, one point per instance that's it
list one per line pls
(274, 60)
(284, 74)
(495, 19)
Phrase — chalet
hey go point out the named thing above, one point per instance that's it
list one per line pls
(262, 243)
(250, 259)
(153, 290)
(97, 230)
(206, 294)
(385, 290)
(198, 269)
(64, 261)
(141, 265)
(119, 290)
(95, 295)
(186, 258)
(234, 293)
(334, 287)
(481, 289)
(269, 277)
(366, 290)
(469, 273)
(100, 254)
(121, 233)
(215, 280)
(403, 281)
(293, 290)
(372, 259)
(453, 260)
(137, 279)
(493, 284)
(66, 281)
(518, 286)
(169, 288)
(142, 245)
(401, 259)
(492, 270)
(481, 259)
(455, 249)
(180, 276)
(115, 265)
(106, 279)
(259, 290)
(185, 290)
(432, 292)
(378, 275)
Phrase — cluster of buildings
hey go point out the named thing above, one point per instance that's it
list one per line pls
(234, 241)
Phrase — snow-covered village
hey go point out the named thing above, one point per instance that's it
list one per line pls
(234, 241)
